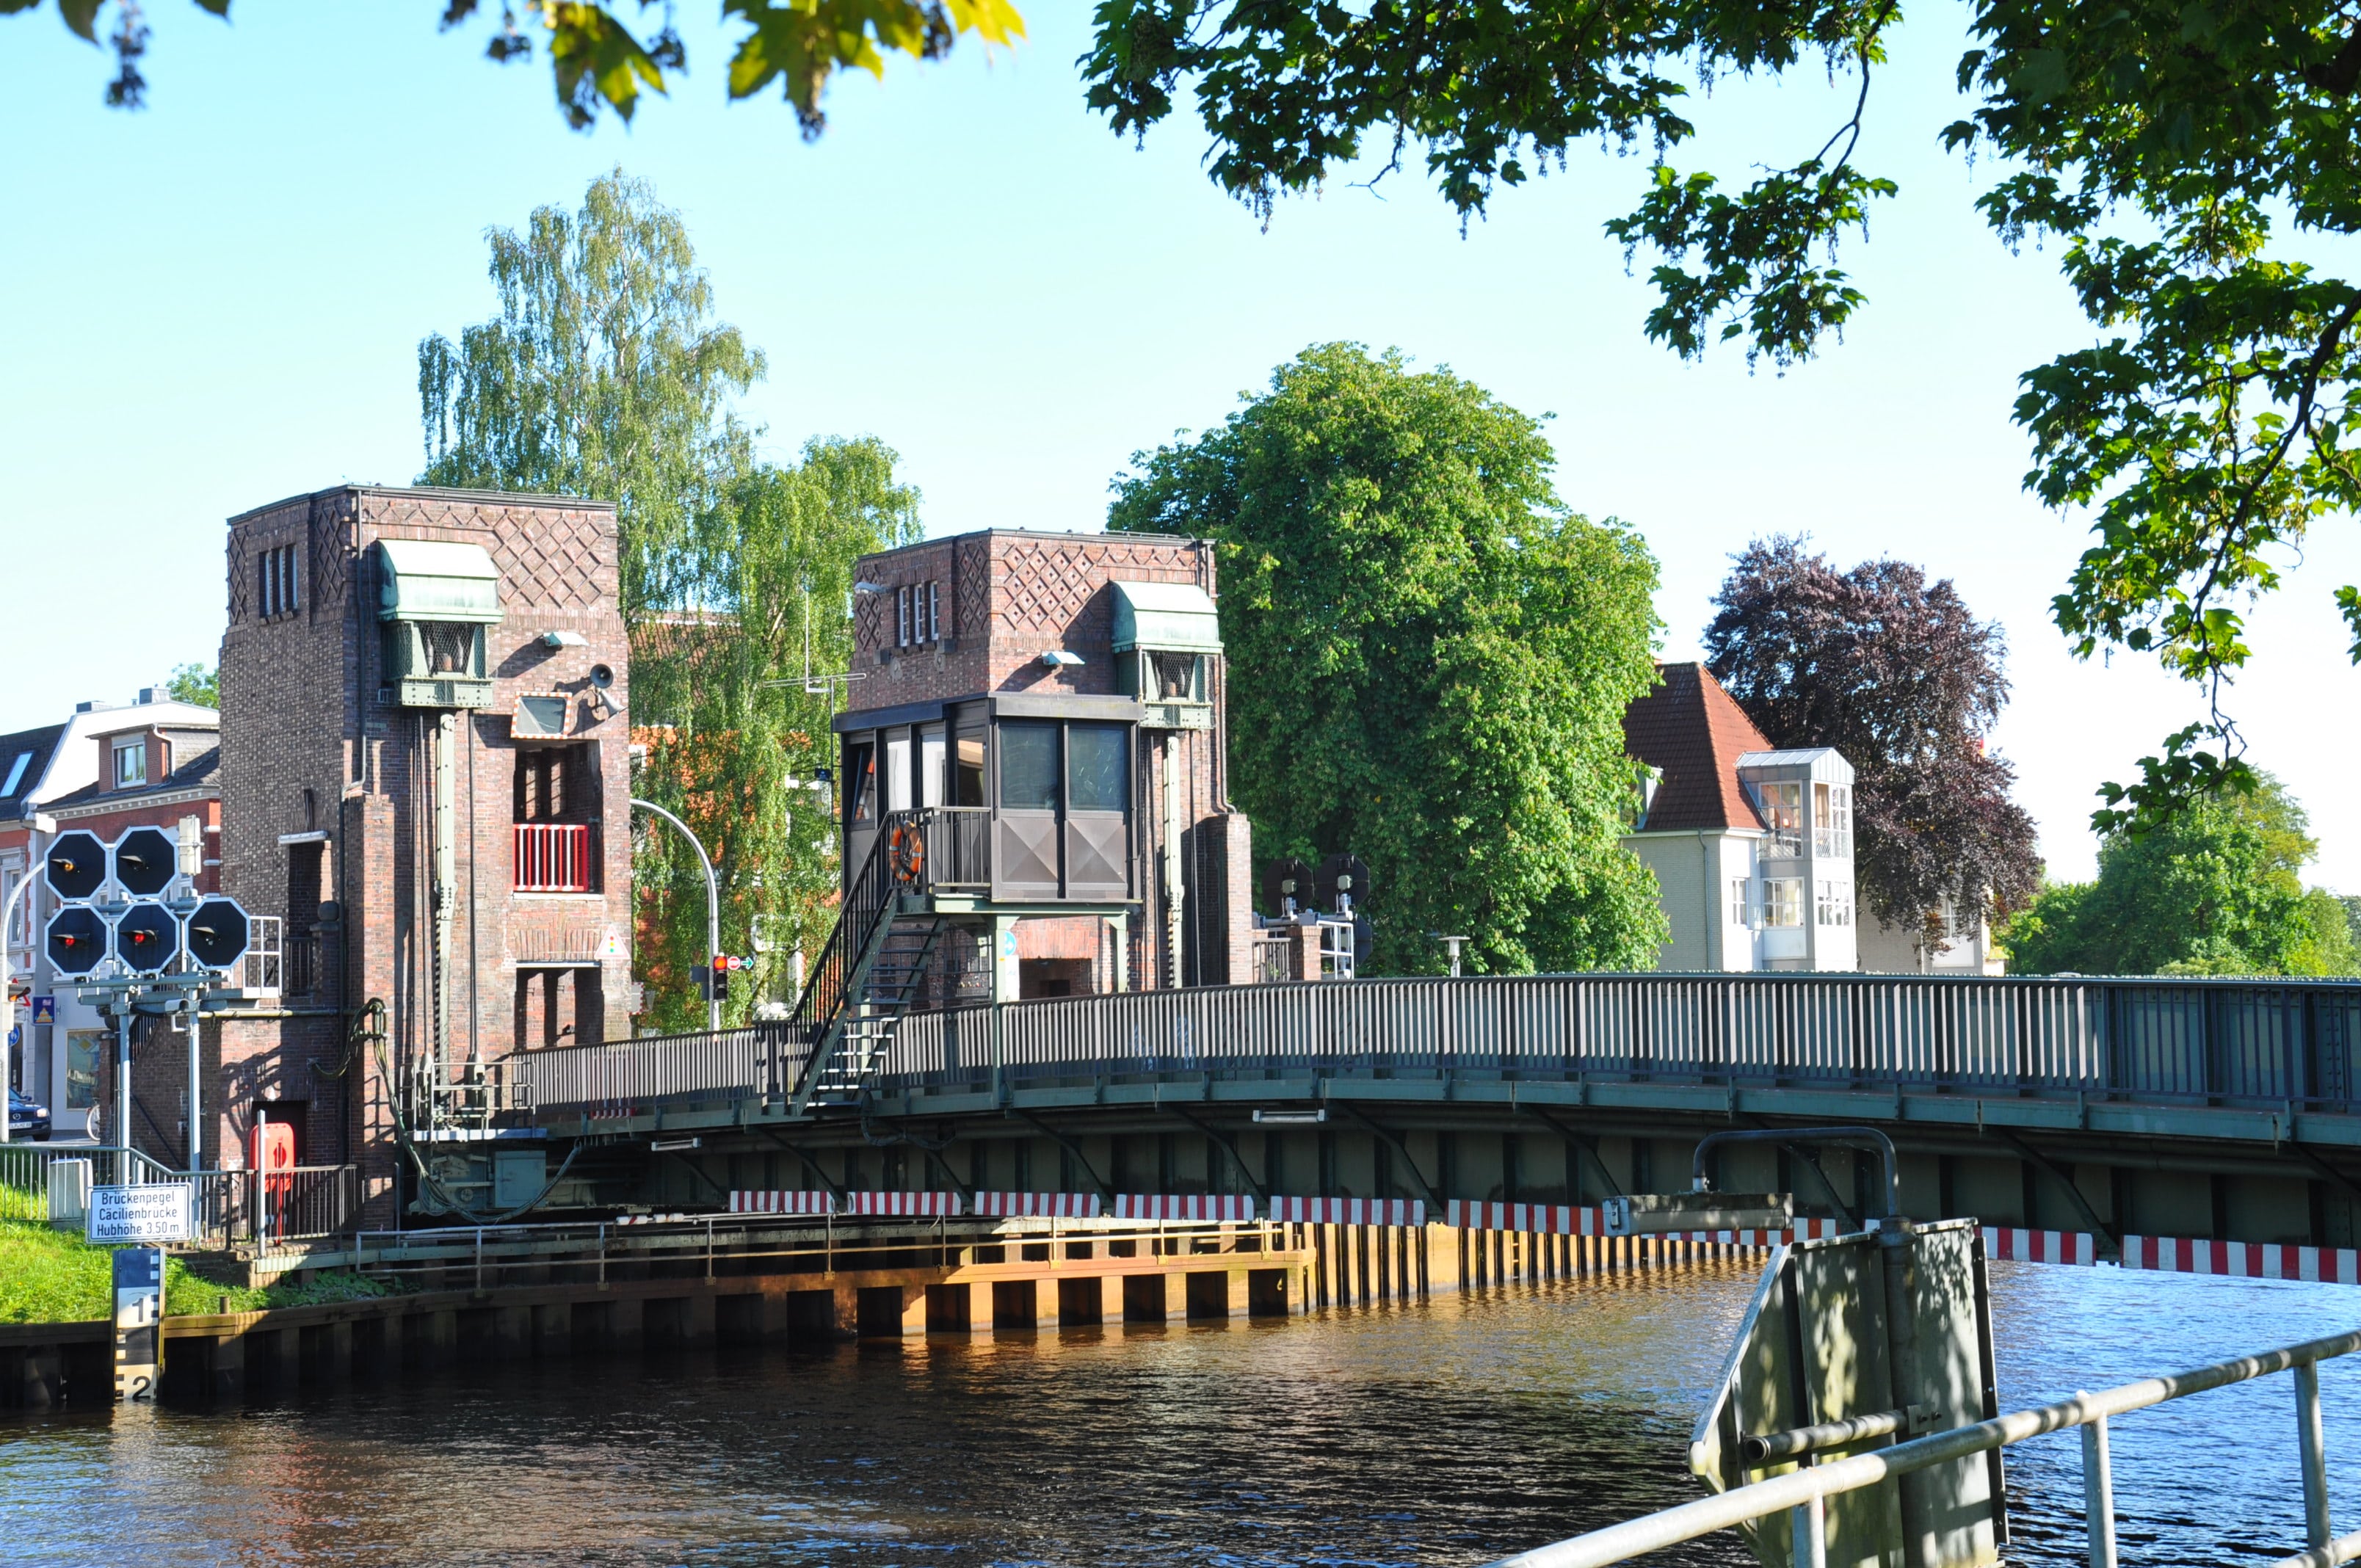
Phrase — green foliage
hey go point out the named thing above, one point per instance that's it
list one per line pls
(1429, 657)
(605, 375)
(49, 1275)
(200, 684)
(600, 61)
(2217, 889)
(2171, 150)
(734, 734)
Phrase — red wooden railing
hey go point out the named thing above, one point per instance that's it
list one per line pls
(553, 856)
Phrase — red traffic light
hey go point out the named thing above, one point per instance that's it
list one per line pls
(76, 940)
(146, 938)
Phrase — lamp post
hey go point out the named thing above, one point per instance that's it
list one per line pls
(712, 912)
(43, 823)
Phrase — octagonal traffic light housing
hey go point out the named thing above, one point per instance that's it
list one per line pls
(217, 934)
(148, 939)
(75, 866)
(146, 861)
(76, 939)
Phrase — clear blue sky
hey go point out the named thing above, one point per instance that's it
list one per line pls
(217, 302)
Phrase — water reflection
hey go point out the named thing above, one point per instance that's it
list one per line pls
(1446, 1433)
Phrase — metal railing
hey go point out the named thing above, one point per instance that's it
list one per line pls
(618, 1077)
(1801, 1494)
(553, 856)
(2280, 1046)
(584, 1253)
(226, 1207)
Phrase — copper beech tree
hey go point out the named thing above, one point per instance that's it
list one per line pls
(1896, 674)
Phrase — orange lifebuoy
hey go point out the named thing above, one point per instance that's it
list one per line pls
(907, 847)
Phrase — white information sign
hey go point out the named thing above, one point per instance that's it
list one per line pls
(143, 1215)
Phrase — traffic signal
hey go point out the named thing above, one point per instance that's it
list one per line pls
(217, 934)
(146, 938)
(75, 867)
(712, 981)
(146, 861)
(76, 939)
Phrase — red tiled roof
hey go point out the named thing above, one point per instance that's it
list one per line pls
(1693, 732)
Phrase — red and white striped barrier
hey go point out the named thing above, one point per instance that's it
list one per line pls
(1564, 1219)
(2183, 1254)
(1349, 1210)
(901, 1205)
(1200, 1206)
(1037, 1205)
(780, 1203)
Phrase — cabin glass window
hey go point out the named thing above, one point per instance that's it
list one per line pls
(1098, 778)
(1783, 902)
(930, 765)
(1028, 767)
(897, 770)
(860, 781)
(967, 770)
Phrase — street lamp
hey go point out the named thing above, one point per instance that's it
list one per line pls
(42, 823)
(712, 913)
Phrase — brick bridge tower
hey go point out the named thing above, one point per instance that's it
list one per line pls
(426, 782)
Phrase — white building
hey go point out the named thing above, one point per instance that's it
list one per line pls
(57, 778)
(1752, 846)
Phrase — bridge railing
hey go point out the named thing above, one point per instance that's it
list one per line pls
(2272, 1043)
(1801, 1494)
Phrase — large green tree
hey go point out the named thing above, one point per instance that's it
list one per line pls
(605, 374)
(2216, 890)
(1429, 657)
(2185, 162)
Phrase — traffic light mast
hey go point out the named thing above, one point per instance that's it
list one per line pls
(135, 937)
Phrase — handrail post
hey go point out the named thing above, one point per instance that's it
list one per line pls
(2314, 1454)
(2098, 1490)
(1809, 1538)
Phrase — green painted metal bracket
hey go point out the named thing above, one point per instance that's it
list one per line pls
(1403, 1149)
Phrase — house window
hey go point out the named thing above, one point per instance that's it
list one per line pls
(1832, 819)
(1836, 904)
(130, 762)
(274, 582)
(1782, 813)
(16, 774)
(1783, 902)
(1742, 902)
(901, 618)
(934, 612)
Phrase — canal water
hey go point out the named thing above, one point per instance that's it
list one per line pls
(1446, 1433)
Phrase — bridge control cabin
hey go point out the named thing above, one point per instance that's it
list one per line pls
(1034, 741)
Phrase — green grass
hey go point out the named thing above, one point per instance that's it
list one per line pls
(51, 1277)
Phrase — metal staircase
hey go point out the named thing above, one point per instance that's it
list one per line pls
(872, 971)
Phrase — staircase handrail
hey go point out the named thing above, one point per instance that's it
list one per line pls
(871, 899)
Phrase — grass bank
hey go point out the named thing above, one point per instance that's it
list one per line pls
(54, 1276)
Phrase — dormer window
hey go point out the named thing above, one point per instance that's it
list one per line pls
(1782, 813)
(130, 762)
(1642, 798)
(1831, 819)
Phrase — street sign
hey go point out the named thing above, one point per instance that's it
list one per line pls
(150, 1212)
(45, 1010)
(139, 1311)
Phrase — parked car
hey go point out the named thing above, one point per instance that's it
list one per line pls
(28, 1120)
